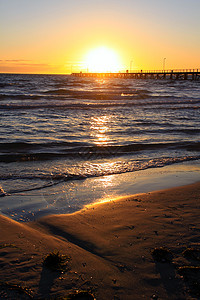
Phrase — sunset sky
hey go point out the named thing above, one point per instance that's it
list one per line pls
(48, 36)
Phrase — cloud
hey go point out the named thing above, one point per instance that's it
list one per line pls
(22, 62)
(34, 65)
(14, 60)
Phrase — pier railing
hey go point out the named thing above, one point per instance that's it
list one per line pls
(164, 71)
(176, 74)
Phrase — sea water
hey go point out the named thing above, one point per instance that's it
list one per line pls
(67, 141)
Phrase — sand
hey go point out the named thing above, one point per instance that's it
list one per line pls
(110, 248)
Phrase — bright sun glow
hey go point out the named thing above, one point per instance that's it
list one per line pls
(102, 60)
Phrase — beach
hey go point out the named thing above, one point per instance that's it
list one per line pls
(110, 248)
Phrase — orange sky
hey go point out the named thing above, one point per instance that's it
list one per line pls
(55, 36)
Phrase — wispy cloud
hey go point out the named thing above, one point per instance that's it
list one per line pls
(22, 62)
(14, 60)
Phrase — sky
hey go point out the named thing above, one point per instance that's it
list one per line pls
(55, 36)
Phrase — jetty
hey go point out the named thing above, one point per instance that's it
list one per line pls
(183, 74)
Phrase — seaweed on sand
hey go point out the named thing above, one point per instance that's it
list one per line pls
(191, 276)
(80, 295)
(162, 254)
(192, 253)
(56, 261)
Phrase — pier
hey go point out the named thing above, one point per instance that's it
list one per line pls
(184, 74)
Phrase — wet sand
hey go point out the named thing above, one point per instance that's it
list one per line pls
(110, 248)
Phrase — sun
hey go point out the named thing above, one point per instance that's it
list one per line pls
(102, 60)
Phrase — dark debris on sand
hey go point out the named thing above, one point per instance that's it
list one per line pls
(190, 272)
(162, 254)
(56, 262)
(80, 295)
(192, 253)
(191, 276)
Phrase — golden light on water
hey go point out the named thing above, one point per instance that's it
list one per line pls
(102, 60)
(99, 129)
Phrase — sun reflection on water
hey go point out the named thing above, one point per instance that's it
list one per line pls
(106, 181)
(106, 185)
(100, 127)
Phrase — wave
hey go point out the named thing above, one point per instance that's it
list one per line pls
(78, 95)
(18, 146)
(72, 104)
(21, 152)
(54, 179)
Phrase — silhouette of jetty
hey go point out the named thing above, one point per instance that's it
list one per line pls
(184, 74)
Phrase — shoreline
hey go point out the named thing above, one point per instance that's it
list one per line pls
(110, 247)
(72, 196)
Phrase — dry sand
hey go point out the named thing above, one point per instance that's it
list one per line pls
(110, 248)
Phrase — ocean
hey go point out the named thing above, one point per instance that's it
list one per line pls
(64, 139)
